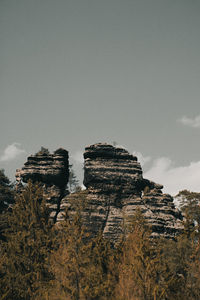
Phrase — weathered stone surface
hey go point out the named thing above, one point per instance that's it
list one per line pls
(52, 171)
(116, 188)
(161, 213)
(49, 169)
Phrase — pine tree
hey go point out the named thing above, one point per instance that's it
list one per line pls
(193, 279)
(6, 200)
(6, 192)
(141, 275)
(81, 264)
(43, 151)
(25, 265)
(189, 203)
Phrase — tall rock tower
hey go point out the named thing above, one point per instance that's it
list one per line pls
(116, 188)
(52, 171)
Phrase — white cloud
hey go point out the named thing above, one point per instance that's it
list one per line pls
(11, 152)
(142, 159)
(195, 122)
(174, 178)
(119, 146)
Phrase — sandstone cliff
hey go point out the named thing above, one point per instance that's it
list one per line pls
(52, 171)
(115, 188)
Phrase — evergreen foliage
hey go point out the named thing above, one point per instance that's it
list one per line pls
(81, 263)
(66, 262)
(6, 192)
(141, 276)
(29, 241)
(6, 200)
(43, 151)
(190, 205)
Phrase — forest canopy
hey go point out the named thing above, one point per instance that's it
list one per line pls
(42, 261)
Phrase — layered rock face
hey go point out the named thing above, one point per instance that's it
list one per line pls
(116, 188)
(52, 171)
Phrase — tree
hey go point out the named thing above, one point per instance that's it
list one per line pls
(141, 274)
(6, 192)
(73, 181)
(81, 263)
(6, 200)
(182, 256)
(25, 265)
(43, 151)
(182, 260)
(190, 241)
(190, 205)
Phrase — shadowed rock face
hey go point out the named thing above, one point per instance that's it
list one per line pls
(52, 171)
(115, 187)
(49, 169)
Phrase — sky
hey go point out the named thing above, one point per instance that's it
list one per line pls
(78, 72)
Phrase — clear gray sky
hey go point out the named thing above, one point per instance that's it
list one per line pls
(77, 72)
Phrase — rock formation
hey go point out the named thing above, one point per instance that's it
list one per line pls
(116, 188)
(52, 171)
